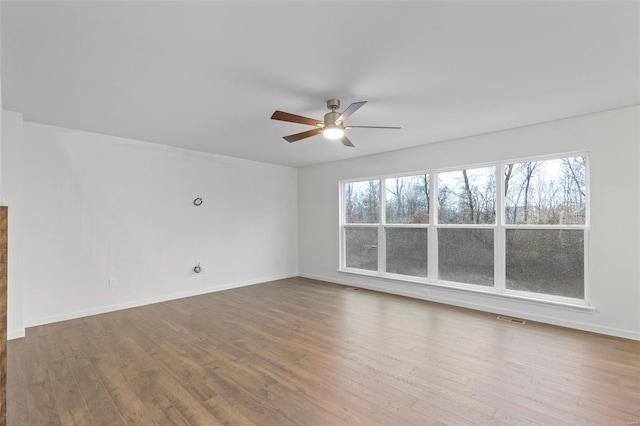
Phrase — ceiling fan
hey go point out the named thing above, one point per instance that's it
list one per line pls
(331, 128)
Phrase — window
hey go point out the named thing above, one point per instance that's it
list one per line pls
(466, 255)
(546, 261)
(361, 211)
(516, 228)
(362, 248)
(545, 214)
(406, 250)
(467, 197)
(406, 220)
(400, 228)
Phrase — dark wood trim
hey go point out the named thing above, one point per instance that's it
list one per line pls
(4, 246)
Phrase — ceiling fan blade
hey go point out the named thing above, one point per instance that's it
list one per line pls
(292, 118)
(350, 110)
(303, 135)
(346, 142)
(369, 127)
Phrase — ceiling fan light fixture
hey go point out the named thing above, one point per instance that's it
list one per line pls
(333, 132)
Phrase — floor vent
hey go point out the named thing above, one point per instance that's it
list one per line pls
(509, 319)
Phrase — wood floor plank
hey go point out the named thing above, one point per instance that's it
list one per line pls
(15, 362)
(98, 401)
(188, 405)
(69, 402)
(140, 372)
(17, 404)
(225, 413)
(40, 396)
(300, 351)
(253, 405)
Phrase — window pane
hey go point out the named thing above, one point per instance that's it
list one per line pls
(546, 192)
(546, 261)
(407, 251)
(407, 199)
(466, 256)
(467, 196)
(362, 201)
(362, 248)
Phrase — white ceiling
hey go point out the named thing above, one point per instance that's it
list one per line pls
(208, 75)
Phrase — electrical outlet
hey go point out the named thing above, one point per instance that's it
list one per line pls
(113, 282)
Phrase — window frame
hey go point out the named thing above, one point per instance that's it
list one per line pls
(499, 227)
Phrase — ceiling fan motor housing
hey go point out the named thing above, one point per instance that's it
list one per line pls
(331, 117)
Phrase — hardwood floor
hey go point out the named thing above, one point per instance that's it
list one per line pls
(299, 351)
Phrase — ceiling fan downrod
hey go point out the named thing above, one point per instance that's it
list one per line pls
(330, 118)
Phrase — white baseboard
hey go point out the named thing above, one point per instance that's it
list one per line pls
(117, 307)
(405, 291)
(15, 334)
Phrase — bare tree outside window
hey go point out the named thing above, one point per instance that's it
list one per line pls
(467, 196)
(548, 192)
(362, 201)
(407, 199)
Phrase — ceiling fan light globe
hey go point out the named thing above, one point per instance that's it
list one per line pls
(333, 132)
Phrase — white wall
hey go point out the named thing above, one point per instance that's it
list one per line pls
(98, 206)
(612, 138)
